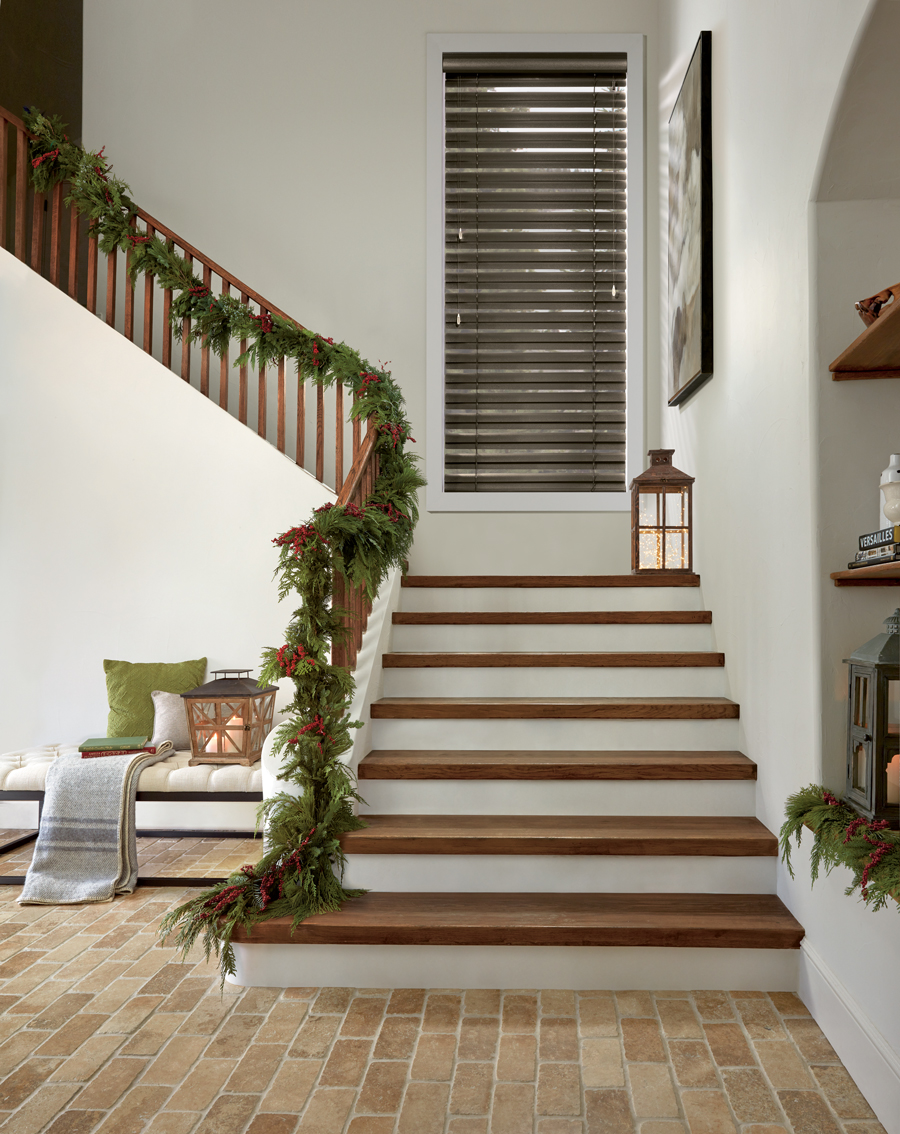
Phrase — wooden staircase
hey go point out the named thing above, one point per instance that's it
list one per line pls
(587, 794)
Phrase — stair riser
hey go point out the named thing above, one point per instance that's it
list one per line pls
(551, 598)
(576, 736)
(536, 874)
(553, 637)
(523, 966)
(568, 681)
(557, 797)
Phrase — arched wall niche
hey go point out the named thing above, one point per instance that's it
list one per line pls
(855, 251)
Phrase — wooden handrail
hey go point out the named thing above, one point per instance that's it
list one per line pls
(79, 275)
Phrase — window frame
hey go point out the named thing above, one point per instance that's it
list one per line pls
(437, 45)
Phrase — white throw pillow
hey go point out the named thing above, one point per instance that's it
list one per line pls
(170, 720)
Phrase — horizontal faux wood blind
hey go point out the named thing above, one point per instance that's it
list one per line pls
(535, 274)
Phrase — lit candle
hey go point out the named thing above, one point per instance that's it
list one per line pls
(893, 780)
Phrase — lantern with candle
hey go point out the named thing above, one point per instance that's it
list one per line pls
(229, 718)
(873, 729)
(661, 540)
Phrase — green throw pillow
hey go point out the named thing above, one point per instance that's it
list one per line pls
(129, 685)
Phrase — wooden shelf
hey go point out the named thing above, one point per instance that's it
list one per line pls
(876, 353)
(878, 575)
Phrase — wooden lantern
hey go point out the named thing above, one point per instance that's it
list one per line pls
(661, 540)
(873, 726)
(229, 718)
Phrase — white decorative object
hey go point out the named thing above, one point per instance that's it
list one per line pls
(890, 490)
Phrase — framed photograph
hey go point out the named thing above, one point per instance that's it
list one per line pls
(690, 229)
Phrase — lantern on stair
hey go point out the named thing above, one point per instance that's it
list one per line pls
(873, 726)
(661, 518)
(229, 718)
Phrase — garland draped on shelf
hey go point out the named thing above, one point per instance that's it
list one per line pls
(841, 837)
(300, 872)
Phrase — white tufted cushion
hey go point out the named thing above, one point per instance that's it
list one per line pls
(25, 771)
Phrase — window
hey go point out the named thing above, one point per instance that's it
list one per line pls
(535, 372)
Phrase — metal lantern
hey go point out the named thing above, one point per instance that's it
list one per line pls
(661, 517)
(229, 718)
(873, 726)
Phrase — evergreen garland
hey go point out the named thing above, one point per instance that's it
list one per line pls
(299, 874)
(841, 837)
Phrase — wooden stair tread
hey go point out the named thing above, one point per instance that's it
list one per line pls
(731, 836)
(556, 659)
(684, 580)
(750, 921)
(550, 617)
(517, 765)
(554, 708)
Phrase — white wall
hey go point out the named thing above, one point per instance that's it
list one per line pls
(783, 489)
(136, 518)
(291, 149)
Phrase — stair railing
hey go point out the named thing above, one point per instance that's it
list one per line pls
(359, 483)
(70, 260)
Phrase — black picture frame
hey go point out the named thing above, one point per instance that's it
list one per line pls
(690, 322)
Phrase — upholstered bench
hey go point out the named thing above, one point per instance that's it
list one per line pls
(23, 773)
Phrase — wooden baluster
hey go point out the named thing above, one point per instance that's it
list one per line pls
(185, 336)
(4, 174)
(74, 251)
(339, 436)
(338, 599)
(149, 289)
(21, 191)
(320, 433)
(280, 437)
(204, 349)
(262, 401)
(92, 269)
(111, 268)
(167, 328)
(242, 389)
(356, 430)
(56, 206)
(223, 361)
(301, 419)
(37, 232)
(128, 329)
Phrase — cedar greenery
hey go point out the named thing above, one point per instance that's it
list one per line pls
(300, 872)
(841, 837)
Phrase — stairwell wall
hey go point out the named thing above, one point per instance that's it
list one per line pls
(136, 518)
(773, 477)
(298, 161)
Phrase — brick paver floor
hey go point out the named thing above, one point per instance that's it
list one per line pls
(102, 1029)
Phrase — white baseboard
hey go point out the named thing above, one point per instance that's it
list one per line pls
(871, 1061)
(498, 966)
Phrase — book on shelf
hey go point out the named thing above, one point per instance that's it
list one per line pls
(109, 744)
(889, 554)
(882, 538)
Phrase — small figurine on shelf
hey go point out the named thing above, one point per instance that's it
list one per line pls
(869, 309)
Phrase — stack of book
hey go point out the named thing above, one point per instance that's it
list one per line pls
(114, 746)
(882, 546)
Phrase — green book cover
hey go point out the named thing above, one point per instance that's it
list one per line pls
(102, 743)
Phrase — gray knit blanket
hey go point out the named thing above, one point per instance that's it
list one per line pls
(86, 850)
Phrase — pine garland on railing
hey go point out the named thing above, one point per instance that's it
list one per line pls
(842, 838)
(296, 876)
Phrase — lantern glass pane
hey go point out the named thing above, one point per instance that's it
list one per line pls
(648, 510)
(893, 708)
(676, 516)
(860, 768)
(650, 550)
(893, 780)
(676, 550)
(861, 701)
